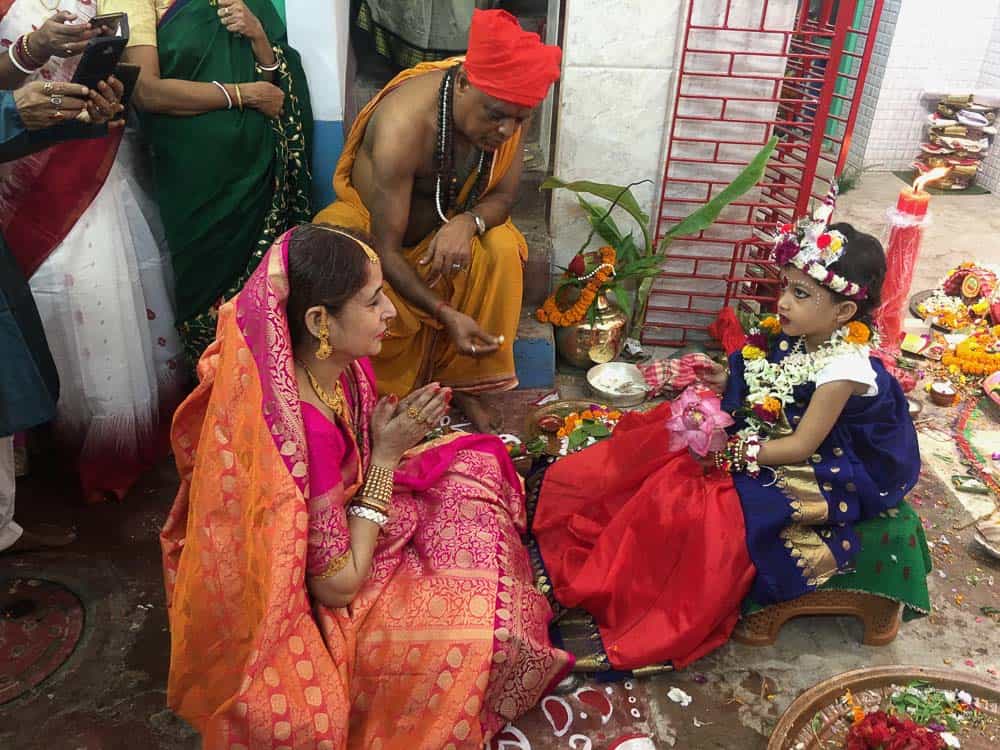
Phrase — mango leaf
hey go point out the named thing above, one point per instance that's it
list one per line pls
(623, 298)
(602, 221)
(629, 251)
(703, 217)
(609, 193)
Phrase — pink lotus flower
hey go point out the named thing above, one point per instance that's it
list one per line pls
(697, 422)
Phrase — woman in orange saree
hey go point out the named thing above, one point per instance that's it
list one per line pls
(312, 606)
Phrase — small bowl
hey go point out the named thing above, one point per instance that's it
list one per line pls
(943, 399)
(617, 384)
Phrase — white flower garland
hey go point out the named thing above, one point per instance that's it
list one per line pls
(778, 380)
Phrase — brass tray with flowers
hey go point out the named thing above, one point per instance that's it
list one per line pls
(568, 426)
(916, 708)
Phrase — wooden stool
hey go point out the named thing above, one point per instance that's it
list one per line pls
(880, 616)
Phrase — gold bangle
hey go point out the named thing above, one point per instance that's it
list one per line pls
(378, 485)
(239, 97)
(336, 565)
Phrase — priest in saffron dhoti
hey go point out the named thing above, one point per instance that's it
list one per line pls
(431, 169)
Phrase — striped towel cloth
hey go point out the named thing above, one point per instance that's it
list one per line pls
(675, 374)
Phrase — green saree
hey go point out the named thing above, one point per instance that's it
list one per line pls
(228, 182)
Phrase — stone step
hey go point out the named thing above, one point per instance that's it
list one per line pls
(529, 213)
(534, 353)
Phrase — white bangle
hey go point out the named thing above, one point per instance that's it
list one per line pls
(261, 68)
(229, 99)
(368, 514)
(14, 61)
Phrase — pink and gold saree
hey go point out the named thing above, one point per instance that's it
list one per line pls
(447, 640)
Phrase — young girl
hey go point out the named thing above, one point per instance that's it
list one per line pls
(661, 552)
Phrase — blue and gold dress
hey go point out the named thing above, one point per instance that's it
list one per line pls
(801, 525)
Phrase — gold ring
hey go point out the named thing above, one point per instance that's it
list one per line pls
(57, 115)
(47, 87)
(413, 413)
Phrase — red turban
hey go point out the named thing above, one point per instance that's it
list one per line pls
(507, 62)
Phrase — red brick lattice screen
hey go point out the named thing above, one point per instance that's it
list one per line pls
(748, 69)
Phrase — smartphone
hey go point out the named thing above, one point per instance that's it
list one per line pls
(128, 74)
(110, 21)
(102, 55)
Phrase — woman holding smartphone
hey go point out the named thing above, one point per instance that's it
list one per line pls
(226, 110)
(82, 230)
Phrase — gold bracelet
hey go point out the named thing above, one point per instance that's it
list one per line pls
(239, 97)
(378, 484)
(336, 565)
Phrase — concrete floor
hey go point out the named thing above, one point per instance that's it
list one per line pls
(963, 227)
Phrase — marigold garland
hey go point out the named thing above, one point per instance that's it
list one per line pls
(549, 312)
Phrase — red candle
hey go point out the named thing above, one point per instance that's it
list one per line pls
(913, 201)
(901, 252)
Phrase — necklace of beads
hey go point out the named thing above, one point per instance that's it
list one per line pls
(444, 155)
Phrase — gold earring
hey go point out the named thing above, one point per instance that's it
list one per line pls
(324, 350)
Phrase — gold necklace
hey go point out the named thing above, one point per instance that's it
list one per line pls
(337, 402)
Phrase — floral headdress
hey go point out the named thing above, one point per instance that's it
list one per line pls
(812, 248)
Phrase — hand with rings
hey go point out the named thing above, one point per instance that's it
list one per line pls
(240, 20)
(450, 250)
(468, 336)
(60, 37)
(398, 425)
(42, 104)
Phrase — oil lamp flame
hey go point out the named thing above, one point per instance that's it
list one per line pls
(935, 174)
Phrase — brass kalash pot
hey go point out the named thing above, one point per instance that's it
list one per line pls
(587, 344)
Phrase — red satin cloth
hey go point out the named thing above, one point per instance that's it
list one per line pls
(507, 62)
(645, 542)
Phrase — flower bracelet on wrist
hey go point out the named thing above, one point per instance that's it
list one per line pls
(752, 450)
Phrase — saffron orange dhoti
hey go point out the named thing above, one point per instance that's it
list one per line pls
(418, 350)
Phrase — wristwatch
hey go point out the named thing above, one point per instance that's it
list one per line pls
(480, 224)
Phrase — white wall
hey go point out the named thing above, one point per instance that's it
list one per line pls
(318, 30)
(617, 79)
(989, 78)
(617, 92)
(935, 46)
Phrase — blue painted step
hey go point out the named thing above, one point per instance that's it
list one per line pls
(534, 353)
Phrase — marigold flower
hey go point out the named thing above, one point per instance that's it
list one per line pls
(752, 352)
(771, 324)
(857, 333)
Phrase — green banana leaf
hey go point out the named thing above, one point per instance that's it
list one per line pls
(701, 219)
(609, 193)
(705, 216)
